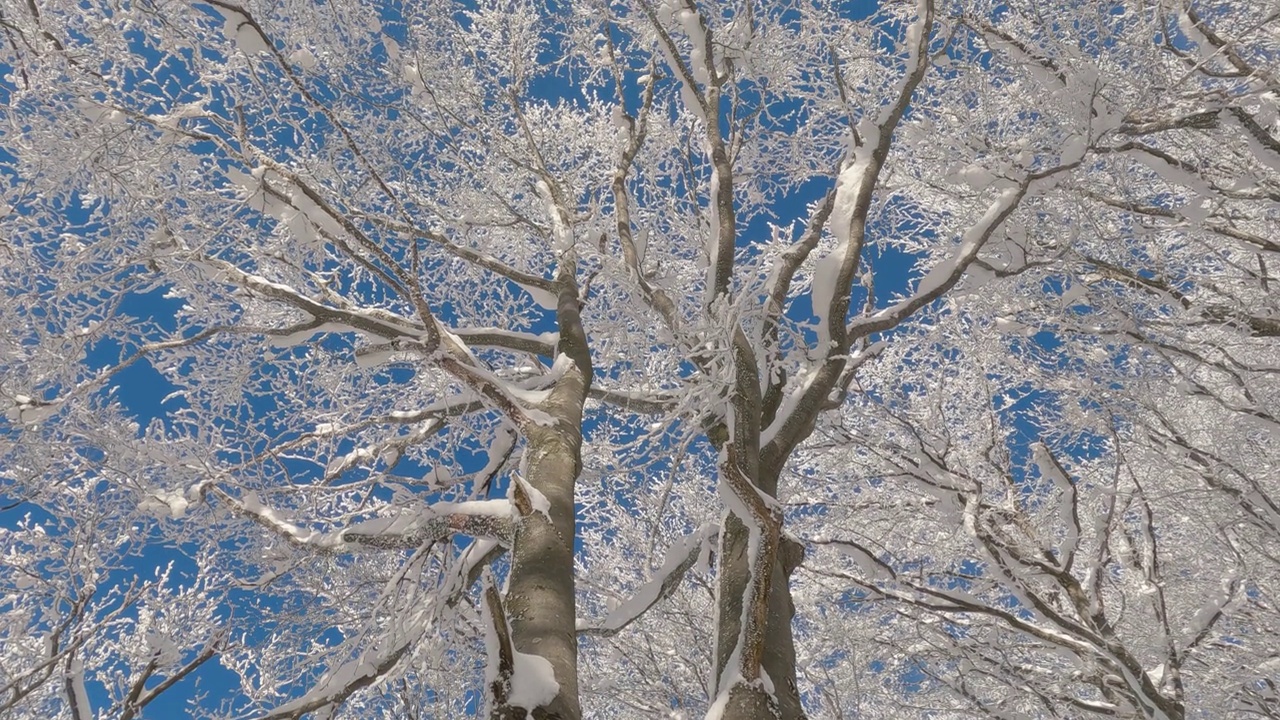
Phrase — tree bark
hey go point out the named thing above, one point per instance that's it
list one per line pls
(779, 660)
(540, 600)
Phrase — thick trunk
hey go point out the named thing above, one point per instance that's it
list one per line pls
(779, 659)
(540, 589)
(771, 625)
(540, 601)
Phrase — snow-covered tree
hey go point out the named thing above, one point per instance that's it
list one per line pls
(640, 359)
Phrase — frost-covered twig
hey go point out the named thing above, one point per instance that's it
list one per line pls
(681, 556)
(405, 531)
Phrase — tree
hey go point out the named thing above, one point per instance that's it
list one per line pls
(633, 359)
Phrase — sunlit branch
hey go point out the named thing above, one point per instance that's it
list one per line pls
(407, 531)
(681, 557)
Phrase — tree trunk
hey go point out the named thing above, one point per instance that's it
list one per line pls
(779, 658)
(540, 599)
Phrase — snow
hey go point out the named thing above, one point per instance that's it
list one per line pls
(716, 711)
(170, 503)
(561, 234)
(735, 504)
(392, 47)
(345, 462)
(542, 298)
(691, 24)
(163, 647)
(1051, 471)
(220, 270)
(533, 679)
(1011, 326)
(1074, 149)
(333, 683)
(287, 202)
(823, 291)
(789, 403)
(250, 503)
(1192, 32)
(413, 76)
(524, 396)
(99, 113)
(458, 343)
(970, 243)
(974, 175)
(852, 184)
(913, 42)
(721, 704)
(499, 508)
(1172, 174)
(533, 682)
(539, 501)
(373, 357)
(690, 96)
(546, 338)
(1210, 611)
(868, 564)
(1040, 72)
(641, 242)
(499, 448)
(309, 217)
(1261, 153)
(297, 338)
(713, 237)
(239, 30)
(618, 118)
(561, 365)
(400, 524)
(732, 672)
(304, 58)
(75, 681)
(679, 558)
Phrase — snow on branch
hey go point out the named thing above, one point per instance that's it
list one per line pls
(534, 284)
(681, 556)
(140, 696)
(77, 693)
(407, 530)
(390, 449)
(514, 681)
(425, 418)
(501, 663)
(375, 663)
(337, 684)
(449, 349)
(855, 186)
(1068, 503)
(518, 403)
(543, 344)
(381, 323)
(635, 401)
(944, 276)
(687, 73)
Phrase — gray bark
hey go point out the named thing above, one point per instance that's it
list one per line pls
(777, 645)
(779, 657)
(540, 601)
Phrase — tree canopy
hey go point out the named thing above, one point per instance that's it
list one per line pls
(640, 358)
